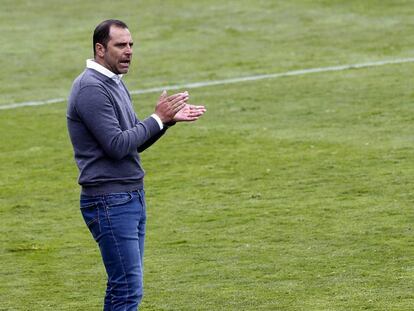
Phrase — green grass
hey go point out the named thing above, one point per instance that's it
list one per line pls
(290, 194)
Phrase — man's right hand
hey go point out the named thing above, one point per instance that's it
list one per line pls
(168, 106)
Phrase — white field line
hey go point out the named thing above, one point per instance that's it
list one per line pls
(229, 81)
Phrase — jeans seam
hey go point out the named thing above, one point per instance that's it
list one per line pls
(99, 222)
(141, 199)
(119, 254)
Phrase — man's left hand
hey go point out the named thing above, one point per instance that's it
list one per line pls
(189, 113)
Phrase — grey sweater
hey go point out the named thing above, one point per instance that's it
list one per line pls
(106, 135)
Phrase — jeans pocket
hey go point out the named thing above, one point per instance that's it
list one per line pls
(90, 213)
(117, 199)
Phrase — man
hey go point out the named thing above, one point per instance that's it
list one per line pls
(107, 138)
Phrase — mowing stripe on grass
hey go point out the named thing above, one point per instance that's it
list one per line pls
(229, 81)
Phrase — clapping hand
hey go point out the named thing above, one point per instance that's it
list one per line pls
(189, 113)
(168, 106)
(175, 108)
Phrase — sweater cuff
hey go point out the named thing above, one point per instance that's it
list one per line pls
(157, 118)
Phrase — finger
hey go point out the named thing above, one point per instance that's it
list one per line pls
(196, 107)
(172, 98)
(191, 119)
(197, 110)
(195, 114)
(178, 106)
(192, 113)
(177, 96)
(179, 102)
(181, 96)
(163, 95)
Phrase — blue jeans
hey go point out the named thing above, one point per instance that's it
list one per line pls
(117, 223)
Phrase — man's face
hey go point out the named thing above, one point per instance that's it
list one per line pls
(117, 55)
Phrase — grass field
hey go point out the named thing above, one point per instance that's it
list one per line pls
(293, 193)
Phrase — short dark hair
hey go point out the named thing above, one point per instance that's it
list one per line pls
(101, 33)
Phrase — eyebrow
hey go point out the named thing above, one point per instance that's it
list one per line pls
(124, 43)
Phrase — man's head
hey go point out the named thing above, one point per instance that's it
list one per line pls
(112, 46)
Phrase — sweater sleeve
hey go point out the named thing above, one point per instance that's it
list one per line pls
(153, 139)
(97, 112)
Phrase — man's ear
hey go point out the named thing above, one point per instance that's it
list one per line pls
(100, 50)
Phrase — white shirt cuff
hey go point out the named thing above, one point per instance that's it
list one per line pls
(157, 118)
